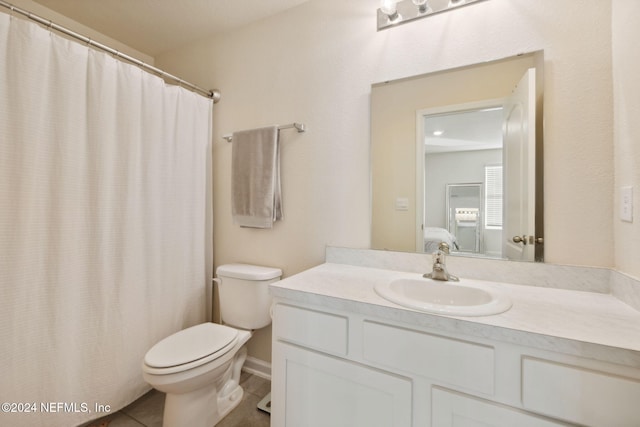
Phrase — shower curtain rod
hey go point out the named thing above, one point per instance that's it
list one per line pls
(298, 126)
(213, 94)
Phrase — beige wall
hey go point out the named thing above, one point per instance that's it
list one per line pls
(44, 12)
(315, 63)
(626, 90)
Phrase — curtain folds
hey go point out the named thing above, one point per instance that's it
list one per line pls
(105, 222)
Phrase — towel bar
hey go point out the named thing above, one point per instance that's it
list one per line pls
(300, 127)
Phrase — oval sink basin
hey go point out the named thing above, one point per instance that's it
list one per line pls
(449, 298)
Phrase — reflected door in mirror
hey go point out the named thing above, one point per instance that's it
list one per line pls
(519, 182)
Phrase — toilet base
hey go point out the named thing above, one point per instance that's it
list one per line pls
(231, 393)
(228, 403)
(205, 407)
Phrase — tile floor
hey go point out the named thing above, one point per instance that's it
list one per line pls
(147, 411)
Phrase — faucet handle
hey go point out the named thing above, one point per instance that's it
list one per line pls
(443, 247)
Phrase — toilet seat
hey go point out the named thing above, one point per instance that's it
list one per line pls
(190, 348)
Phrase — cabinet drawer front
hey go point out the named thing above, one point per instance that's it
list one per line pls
(323, 391)
(452, 409)
(313, 329)
(459, 363)
(579, 395)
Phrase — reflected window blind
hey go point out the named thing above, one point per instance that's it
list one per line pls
(493, 196)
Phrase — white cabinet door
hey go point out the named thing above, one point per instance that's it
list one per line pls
(451, 409)
(314, 390)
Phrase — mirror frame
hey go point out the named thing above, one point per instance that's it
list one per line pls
(537, 59)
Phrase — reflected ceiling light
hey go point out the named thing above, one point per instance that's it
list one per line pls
(438, 132)
(394, 12)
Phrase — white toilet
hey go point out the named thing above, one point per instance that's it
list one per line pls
(199, 367)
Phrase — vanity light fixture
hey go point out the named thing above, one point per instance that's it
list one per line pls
(394, 12)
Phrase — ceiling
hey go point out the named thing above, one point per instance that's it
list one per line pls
(156, 26)
(464, 131)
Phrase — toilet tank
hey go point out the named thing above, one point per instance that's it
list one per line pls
(244, 294)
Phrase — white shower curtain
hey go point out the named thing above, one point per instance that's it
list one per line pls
(105, 230)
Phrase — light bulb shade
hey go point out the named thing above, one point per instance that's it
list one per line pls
(422, 5)
(389, 7)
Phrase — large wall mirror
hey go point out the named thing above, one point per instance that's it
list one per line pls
(457, 157)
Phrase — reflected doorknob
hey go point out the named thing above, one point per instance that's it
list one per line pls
(527, 239)
(520, 239)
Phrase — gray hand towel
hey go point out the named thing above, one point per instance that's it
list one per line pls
(256, 199)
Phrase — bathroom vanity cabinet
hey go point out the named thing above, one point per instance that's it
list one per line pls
(342, 362)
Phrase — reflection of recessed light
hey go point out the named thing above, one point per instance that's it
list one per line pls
(437, 132)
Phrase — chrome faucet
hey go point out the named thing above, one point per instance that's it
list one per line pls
(439, 271)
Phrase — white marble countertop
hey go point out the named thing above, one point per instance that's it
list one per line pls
(587, 324)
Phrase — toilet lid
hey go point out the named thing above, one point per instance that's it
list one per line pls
(191, 344)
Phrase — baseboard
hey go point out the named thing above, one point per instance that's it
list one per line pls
(257, 367)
